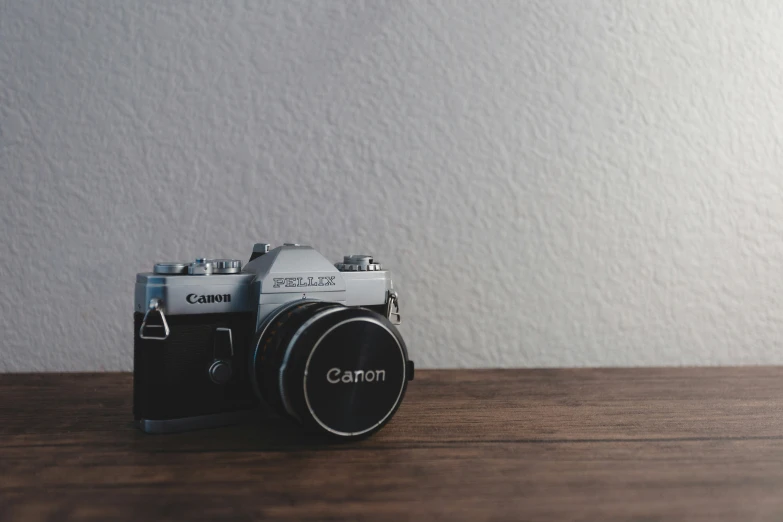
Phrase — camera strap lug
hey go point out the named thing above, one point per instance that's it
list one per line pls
(156, 305)
(393, 309)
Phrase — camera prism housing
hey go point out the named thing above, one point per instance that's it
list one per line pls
(315, 341)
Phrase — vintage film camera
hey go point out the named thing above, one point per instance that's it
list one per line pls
(315, 341)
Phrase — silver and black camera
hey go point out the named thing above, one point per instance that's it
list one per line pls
(315, 341)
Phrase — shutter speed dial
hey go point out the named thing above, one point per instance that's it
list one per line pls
(358, 263)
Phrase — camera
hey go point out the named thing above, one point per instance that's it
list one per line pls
(217, 342)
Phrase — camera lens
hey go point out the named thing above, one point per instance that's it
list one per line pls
(335, 369)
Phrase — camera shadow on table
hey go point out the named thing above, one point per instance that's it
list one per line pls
(261, 434)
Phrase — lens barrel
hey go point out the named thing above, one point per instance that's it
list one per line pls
(336, 369)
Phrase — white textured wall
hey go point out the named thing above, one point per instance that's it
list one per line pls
(555, 183)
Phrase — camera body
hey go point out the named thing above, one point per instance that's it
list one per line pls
(214, 340)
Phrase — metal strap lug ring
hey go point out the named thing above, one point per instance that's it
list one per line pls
(393, 309)
(156, 305)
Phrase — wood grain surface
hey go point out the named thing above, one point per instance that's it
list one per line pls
(589, 444)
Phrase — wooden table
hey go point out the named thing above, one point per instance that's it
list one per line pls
(619, 444)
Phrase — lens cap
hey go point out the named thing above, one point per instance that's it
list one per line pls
(340, 370)
(355, 376)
